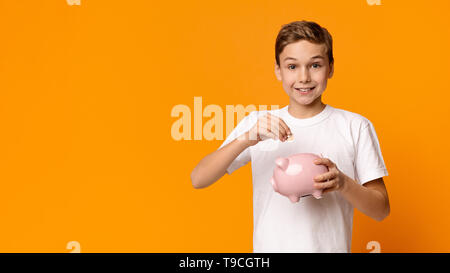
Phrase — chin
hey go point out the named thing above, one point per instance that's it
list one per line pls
(304, 101)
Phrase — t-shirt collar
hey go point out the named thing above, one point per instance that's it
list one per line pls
(307, 121)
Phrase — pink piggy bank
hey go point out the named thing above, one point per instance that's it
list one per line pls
(294, 176)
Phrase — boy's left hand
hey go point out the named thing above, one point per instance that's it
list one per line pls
(333, 180)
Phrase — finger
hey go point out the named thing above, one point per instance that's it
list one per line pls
(284, 130)
(280, 123)
(276, 126)
(263, 129)
(285, 126)
(324, 161)
(269, 133)
(325, 185)
(327, 176)
(272, 135)
(269, 125)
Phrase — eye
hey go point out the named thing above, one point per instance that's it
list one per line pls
(291, 65)
(316, 65)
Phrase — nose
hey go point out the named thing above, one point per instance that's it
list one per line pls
(304, 76)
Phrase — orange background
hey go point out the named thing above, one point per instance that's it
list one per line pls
(87, 92)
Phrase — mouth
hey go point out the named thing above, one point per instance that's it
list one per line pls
(305, 91)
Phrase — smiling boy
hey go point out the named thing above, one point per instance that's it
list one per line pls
(303, 63)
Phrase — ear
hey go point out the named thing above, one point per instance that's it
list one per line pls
(331, 71)
(277, 71)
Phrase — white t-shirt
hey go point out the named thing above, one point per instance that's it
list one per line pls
(311, 225)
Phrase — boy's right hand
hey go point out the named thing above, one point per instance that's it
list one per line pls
(269, 126)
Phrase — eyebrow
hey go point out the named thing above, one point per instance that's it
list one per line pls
(315, 57)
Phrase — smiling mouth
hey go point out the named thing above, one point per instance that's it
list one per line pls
(305, 90)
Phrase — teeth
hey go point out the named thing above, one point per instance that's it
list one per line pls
(304, 90)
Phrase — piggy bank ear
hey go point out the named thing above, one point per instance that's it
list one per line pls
(283, 163)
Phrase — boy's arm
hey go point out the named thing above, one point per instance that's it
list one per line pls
(213, 166)
(371, 198)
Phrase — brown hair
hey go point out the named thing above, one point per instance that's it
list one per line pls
(303, 30)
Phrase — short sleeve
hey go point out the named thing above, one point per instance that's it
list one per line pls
(244, 157)
(369, 163)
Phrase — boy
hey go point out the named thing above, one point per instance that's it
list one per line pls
(347, 141)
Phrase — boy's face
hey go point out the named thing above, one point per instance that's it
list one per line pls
(302, 65)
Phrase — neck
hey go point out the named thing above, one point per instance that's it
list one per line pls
(305, 111)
